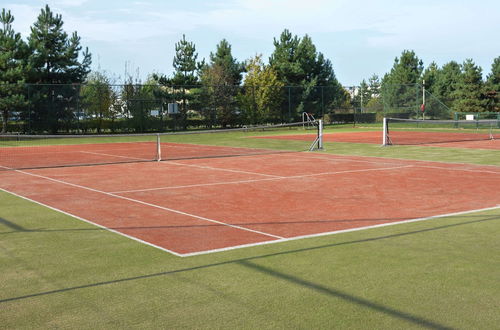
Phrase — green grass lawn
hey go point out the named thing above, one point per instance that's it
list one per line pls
(59, 272)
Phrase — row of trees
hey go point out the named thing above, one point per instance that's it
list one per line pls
(222, 90)
(452, 87)
(47, 80)
(48, 56)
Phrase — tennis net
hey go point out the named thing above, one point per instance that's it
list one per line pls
(398, 131)
(46, 151)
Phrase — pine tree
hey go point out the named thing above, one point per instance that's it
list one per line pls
(307, 74)
(13, 55)
(55, 61)
(446, 82)
(221, 78)
(400, 87)
(469, 94)
(185, 76)
(493, 87)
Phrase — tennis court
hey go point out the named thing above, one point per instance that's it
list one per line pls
(479, 134)
(192, 205)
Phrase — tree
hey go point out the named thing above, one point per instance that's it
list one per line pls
(185, 76)
(55, 60)
(400, 87)
(13, 55)
(446, 82)
(224, 58)
(363, 96)
(374, 85)
(220, 79)
(308, 75)
(97, 98)
(262, 92)
(493, 87)
(430, 76)
(469, 93)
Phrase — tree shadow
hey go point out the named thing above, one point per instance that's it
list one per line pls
(246, 261)
(344, 296)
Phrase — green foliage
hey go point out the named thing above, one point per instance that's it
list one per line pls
(399, 90)
(493, 87)
(262, 92)
(310, 76)
(220, 79)
(98, 98)
(469, 93)
(13, 55)
(55, 60)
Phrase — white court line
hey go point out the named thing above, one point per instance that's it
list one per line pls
(282, 239)
(189, 165)
(226, 170)
(339, 231)
(150, 204)
(458, 169)
(384, 159)
(93, 223)
(260, 180)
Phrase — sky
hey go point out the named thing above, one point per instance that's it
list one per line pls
(361, 38)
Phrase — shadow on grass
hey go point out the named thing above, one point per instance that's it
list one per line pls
(344, 296)
(247, 262)
(15, 227)
(356, 222)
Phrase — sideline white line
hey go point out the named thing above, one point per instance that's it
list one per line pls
(93, 223)
(260, 180)
(149, 204)
(339, 231)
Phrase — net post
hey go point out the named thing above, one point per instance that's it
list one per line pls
(318, 142)
(320, 134)
(158, 148)
(385, 133)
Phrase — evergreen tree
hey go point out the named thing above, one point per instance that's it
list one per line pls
(493, 87)
(55, 61)
(446, 82)
(374, 86)
(185, 76)
(224, 59)
(308, 75)
(430, 76)
(221, 78)
(400, 87)
(13, 55)
(284, 59)
(469, 94)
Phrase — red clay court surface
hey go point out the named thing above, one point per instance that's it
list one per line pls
(195, 206)
(428, 139)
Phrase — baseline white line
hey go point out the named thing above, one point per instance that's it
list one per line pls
(93, 223)
(339, 231)
(259, 180)
(150, 204)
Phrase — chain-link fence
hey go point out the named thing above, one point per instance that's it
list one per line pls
(102, 108)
